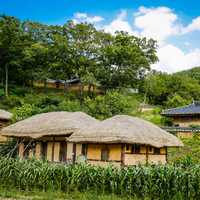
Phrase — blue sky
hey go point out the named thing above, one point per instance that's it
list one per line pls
(174, 23)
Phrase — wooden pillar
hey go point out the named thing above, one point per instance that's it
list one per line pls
(38, 149)
(56, 151)
(147, 154)
(74, 153)
(166, 154)
(122, 154)
(69, 151)
(21, 150)
(53, 144)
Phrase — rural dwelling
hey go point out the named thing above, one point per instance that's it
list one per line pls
(57, 84)
(44, 135)
(124, 140)
(146, 107)
(67, 85)
(186, 119)
(5, 118)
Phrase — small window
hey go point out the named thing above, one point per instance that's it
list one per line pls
(44, 150)
(127, 147)
(157, 151)
(63, 152)
(84, 149)
(150, 149)
(135, 149)
(105, 154)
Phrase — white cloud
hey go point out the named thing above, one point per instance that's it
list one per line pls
(173, 59)
(158, 23)
(119, 24)
(84, 17)
(194, 26)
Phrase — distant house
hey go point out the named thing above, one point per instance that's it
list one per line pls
(124, 140)
(73, 84)
(57, 84)
(146, 107)
(5, 118)
(45, 135)
(186, 119)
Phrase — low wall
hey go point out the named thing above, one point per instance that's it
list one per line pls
(135, 159)
(157, 159)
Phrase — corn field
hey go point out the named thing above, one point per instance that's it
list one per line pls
(153, 182)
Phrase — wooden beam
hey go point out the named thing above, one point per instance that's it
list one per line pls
(74, 153)
(52, 156)
(122, 154)
(147, 154)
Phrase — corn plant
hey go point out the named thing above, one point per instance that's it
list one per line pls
(153, 182)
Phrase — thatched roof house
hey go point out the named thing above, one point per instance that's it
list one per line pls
(126, 129)
(125, 140)
(5, 118)
(48, 124)
(5, 115)
(44, 135)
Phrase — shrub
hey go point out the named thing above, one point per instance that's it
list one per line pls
(112, 103)
(25, 111)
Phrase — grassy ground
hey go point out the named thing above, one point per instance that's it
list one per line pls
(189, 153)
(11, 194)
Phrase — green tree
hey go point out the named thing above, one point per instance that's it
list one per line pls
(10, 46)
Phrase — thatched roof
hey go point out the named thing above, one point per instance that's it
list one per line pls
(5, 115)
(52, 123)
(125, 129)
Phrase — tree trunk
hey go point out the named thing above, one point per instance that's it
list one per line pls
(66, 87)
(81, 92)
(6, 80)
(45, 85)
(89, 89)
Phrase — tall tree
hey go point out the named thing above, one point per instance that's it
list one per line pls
(10, 45)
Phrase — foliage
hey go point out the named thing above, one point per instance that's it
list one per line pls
(154, 182)
(25, 111)
(160, 87)
(190, 151)
(112, 103)
(32, 51)
(176, 101)
(9, 148)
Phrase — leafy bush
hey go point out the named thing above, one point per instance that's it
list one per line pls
(176, 101)
(11, 102)
(2, 93)
(25, 111)
(112, 103)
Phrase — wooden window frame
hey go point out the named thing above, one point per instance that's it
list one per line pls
(135, 149)
(103, 150)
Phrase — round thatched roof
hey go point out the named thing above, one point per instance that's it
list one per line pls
(5, 115)
(126, 129)
(52, 123)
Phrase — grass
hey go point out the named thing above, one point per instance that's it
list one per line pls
(11, 194)
(190, 152)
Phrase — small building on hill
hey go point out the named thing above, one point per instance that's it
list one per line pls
(124, 140)
(5, 118)
(146, 107)
(44, 135)
(186, 119)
